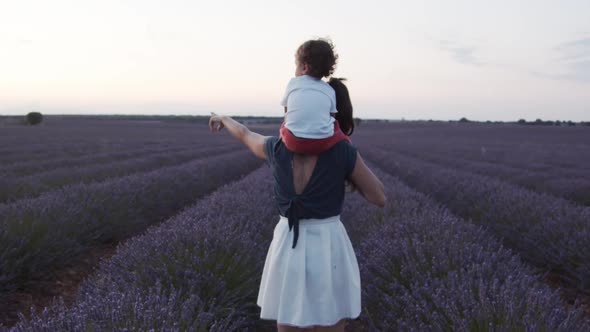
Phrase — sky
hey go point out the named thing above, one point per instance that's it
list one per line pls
(483, 60)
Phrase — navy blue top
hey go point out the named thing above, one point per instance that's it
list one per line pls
(323, 195)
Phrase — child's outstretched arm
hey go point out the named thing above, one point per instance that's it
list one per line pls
(254, 141)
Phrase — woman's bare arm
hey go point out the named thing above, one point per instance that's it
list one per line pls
(253, 140)
(367, 184)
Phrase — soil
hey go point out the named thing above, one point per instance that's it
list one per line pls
(65, 284)
(568, 295)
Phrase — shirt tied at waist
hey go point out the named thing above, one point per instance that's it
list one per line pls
(293, 217)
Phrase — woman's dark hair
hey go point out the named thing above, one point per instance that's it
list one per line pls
(343, 105)
(321, 59)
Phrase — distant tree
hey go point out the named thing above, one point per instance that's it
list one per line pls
(464, 120)
(570, 123)
(521, 121)
(545, 123)
(357, 121)
(488, 121)
(34, 118)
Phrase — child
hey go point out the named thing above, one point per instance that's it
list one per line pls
(317, 114)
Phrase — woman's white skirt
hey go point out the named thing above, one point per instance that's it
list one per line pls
(315, 283)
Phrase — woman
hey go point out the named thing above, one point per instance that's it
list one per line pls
(311, 279)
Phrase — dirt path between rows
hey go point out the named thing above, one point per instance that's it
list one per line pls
(65, 283)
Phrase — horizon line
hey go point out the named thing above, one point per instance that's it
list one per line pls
(279, 117)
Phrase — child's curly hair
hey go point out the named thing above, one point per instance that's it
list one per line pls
(319, 55)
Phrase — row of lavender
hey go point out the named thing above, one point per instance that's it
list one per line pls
(72, 147)
(14, 188)
(22, 144)
(198, 271)
(521, 157)
(575, 187)
(97, 131)
(543, 148)
(421, 269)
(42, 152)
(24, 167)
(543, 157)
(425, 269)
(550, 232)
(40, 234)
(550, 158)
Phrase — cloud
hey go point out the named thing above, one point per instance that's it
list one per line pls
(463, 54)
(574, 50)
(574, 58)
(578, 71)
(570, 61)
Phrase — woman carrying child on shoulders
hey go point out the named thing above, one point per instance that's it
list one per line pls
(311, 279)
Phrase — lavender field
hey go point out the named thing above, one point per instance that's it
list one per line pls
(486, 228)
